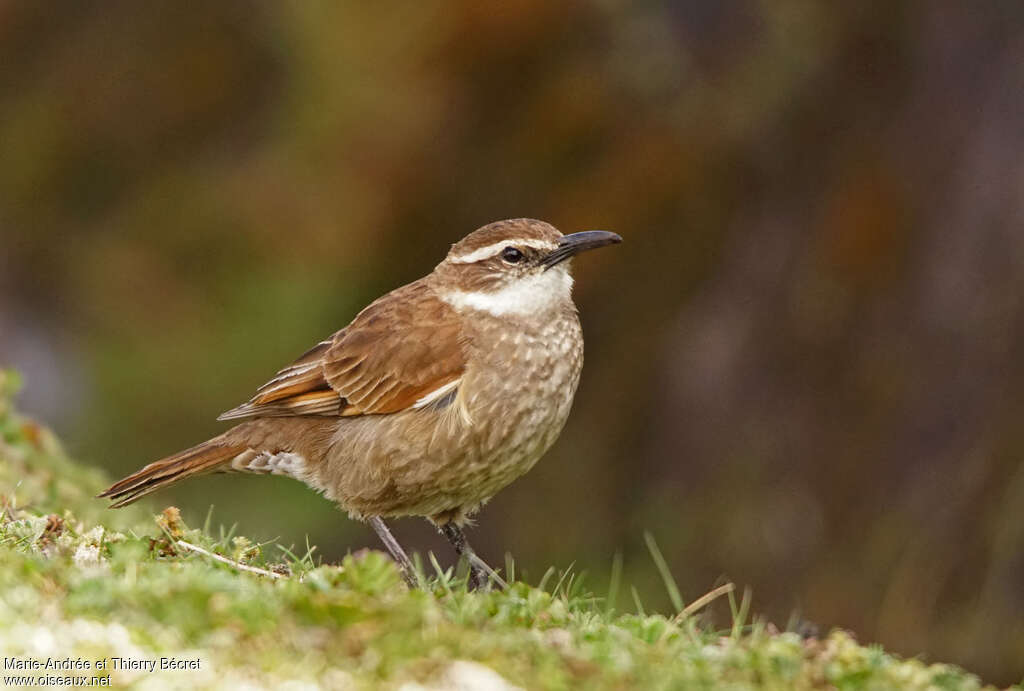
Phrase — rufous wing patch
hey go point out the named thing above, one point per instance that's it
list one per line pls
(397, 350)
(401, 348)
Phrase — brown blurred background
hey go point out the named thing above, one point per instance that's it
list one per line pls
(804, 365)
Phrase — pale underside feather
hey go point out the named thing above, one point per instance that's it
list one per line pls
(281, 463)
(437, 394)
(529, 295)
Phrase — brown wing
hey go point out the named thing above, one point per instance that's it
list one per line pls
(396, 352)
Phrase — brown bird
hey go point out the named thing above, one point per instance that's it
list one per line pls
(434, 398)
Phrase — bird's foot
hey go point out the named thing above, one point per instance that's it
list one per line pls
(482, 576)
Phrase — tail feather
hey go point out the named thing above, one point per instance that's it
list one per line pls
(199, 459)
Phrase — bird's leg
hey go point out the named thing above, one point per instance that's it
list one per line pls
(480, 574)
(395, 550)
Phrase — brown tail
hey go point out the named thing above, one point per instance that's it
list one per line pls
(201, 458)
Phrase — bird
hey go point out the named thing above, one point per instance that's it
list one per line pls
(435, 397)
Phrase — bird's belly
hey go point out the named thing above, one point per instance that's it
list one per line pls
(432, 462)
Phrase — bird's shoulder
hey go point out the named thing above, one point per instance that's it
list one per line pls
(405, 350)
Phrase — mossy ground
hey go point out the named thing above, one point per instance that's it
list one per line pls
(80, 582)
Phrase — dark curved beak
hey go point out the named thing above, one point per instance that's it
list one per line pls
(571, 245)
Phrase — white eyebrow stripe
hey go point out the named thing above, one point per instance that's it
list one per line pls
(491, 250)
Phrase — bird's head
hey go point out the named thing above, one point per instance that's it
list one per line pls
(519, 266)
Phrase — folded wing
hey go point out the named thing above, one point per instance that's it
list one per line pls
(404, 349)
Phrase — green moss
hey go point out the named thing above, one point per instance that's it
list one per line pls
(79, 581)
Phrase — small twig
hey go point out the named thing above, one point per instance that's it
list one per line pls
(224, 560)
(703, 600)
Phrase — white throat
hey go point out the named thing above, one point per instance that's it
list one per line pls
(532, 294)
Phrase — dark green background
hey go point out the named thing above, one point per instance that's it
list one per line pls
(804, 364)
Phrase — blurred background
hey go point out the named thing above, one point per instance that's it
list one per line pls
(804, 365)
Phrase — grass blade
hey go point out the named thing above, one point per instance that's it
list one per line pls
(443, 576)
(740, 613)
(546, 577)
(703, 601)
(614, 583)
(636, 601)
(666, 574)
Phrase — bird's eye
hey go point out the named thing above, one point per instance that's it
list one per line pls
(511, 255)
